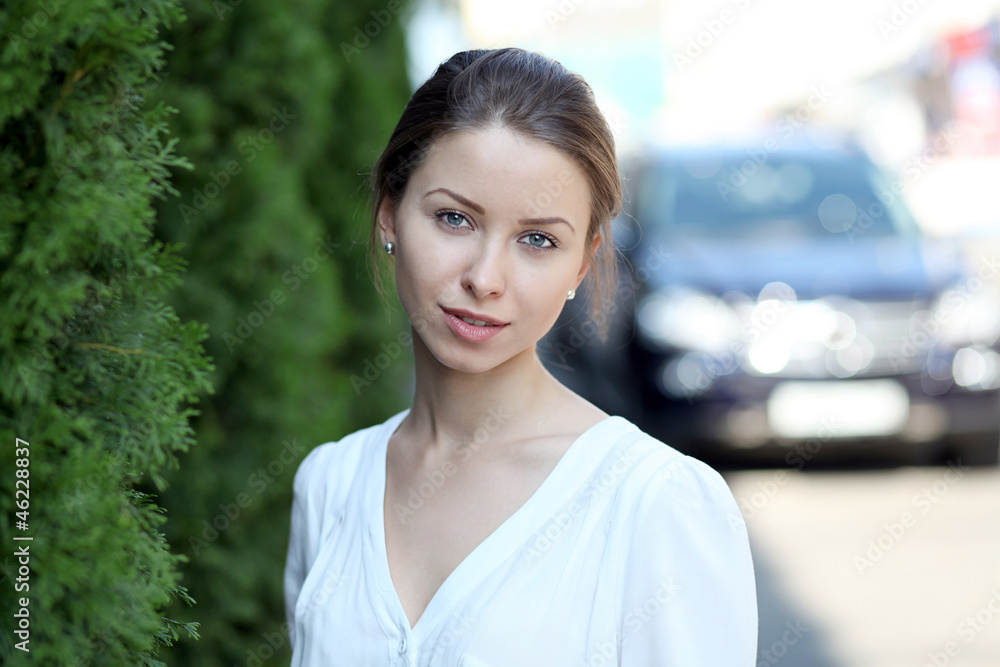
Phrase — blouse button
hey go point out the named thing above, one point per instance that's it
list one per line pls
(402, 645)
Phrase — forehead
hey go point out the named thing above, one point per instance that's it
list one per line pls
(502, 169)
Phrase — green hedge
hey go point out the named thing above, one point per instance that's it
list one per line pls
(280, 116)
(97, 373)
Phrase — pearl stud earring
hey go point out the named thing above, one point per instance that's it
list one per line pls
(571, 294)
(390, 248)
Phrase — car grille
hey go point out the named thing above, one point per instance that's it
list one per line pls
(849, 339)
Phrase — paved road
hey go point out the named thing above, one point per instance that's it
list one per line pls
(883, 568)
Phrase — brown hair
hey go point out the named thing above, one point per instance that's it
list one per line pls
(527, 93)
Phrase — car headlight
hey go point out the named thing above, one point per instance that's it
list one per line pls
(977, 368)
(688, 319)
(967, 316)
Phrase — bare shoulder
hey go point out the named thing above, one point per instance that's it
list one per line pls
(585, 416)
(568, 416)
(579, 413)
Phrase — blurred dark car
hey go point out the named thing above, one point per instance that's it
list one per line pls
(779, 304)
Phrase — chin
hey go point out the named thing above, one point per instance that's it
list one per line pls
(475, 358)
(468, 361)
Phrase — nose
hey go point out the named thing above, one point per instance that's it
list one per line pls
(485, 275)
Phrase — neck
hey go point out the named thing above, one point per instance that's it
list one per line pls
(454, 409)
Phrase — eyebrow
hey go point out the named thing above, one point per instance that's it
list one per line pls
(460, 199)
(480, 210)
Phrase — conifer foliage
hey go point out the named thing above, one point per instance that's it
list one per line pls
(97, 374)
(282, 107)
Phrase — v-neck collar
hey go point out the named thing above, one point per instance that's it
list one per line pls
(555, 489)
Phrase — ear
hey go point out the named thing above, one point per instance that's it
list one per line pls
(587, 259)
(386, 221)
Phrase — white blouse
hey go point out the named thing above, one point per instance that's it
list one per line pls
(629, 553)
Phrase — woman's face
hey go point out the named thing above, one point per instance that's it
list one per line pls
(492, 228)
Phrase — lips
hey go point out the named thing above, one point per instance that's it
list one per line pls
(476, 319)
(472, 327)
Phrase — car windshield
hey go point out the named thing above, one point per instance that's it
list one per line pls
(786, 197)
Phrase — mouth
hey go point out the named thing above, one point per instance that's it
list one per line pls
(472, 327)
(475, 319)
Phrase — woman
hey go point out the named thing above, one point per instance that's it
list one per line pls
(503, 519)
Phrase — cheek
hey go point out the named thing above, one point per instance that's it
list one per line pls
(425, 277)
(539, 293)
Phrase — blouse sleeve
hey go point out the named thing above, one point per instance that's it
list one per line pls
(300, 535)
(689, 597)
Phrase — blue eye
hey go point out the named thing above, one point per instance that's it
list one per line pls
(540, 241)
(452, 218)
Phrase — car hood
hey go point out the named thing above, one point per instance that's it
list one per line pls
(888, 267)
